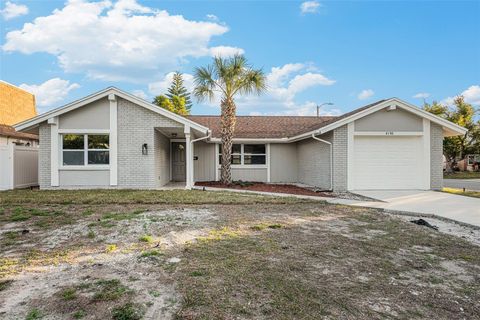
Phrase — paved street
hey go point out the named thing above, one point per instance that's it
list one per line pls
(470, 184)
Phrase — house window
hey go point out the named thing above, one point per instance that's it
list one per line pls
(471, 159)
(246, 154)
(85, 149)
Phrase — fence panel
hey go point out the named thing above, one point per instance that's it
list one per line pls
(25, 166)
(6, 167)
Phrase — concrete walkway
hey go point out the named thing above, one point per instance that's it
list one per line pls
(469, 184)
(450, 206)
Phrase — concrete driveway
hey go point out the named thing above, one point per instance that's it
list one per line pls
(460, 208)
(470, 184)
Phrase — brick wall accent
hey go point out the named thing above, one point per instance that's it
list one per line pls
(340, 158)
(136, 127)
(16, 104)
(436, 156)
(44, 156)
(314, 162)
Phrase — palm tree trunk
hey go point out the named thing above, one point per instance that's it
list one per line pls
(228, 120)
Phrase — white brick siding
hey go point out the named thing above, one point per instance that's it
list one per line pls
(436, 157)
(136, 127)
(44, 156)
(340, 158)
(314, 162)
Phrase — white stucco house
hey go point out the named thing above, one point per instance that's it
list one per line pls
(112, 139)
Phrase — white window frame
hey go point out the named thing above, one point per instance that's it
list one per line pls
(85, 151)
(242, 155)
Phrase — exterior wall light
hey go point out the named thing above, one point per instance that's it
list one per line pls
(144, 149)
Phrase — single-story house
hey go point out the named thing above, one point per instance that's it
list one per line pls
(112, 139)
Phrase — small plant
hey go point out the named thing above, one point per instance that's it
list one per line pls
(151, 253)
(128, 311)
(19, 214)
(34, 314)
(146, 238)
(155, 294)
(87, 212)
(263, 226)
(5, 284)
(69, 294)
(91, 234)
(110, 290)
(79, 314)
(243, 184)
(111, 248)
(197, 273)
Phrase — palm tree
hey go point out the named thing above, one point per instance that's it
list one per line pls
(227, 77)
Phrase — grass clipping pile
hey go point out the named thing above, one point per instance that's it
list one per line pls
(256, 259)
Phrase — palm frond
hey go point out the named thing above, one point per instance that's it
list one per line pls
(204, 83)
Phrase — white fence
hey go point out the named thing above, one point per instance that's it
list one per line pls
(18, 167)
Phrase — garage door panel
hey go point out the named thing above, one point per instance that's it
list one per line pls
(387, 162)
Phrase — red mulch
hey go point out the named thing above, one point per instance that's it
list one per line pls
(265, 187)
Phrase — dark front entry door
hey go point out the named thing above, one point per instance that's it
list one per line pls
(178, 161)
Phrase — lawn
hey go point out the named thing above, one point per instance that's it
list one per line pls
(468, 193)
(462, 175)
(145, 254)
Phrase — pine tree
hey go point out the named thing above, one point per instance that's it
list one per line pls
(178, 89)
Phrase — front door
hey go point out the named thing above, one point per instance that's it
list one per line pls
(178, 161)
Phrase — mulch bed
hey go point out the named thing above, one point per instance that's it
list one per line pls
(265, 187)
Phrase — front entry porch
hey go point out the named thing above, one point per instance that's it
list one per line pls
(174, 161)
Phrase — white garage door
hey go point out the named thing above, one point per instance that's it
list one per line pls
(387, 162)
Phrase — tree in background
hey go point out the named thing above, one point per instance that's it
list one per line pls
(463, 114)
(175, 104)
(178, 89)
(228, 77)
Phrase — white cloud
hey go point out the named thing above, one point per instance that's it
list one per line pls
(120, 41)
(471, 95)
(309, 7)
(140, 94)
(212, 17)
(13, 10)
(421, 95)
(365, 94)
(284, 84)
(160, 87)
(225, 51)
(50, 92)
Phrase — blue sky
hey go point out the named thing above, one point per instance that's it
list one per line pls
(346, 52)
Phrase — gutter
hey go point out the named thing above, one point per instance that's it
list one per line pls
(331, 158)
(202, 138)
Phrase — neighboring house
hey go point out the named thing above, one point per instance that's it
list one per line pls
(15, 105)
(469, 163)
(114, 139)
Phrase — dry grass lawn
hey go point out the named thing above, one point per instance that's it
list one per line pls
(201, 255)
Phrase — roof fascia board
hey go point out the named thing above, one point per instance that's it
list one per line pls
(399, 103)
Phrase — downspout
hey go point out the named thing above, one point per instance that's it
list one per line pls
(331, 158)
(208, 136)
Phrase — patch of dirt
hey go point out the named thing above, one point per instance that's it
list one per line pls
(309, 260)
